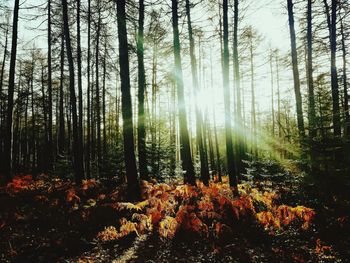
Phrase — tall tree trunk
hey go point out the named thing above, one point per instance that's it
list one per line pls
(33, 145)
(173, 130)
(185, 149)
(294, 54)
(104, 143)
(49, 87)
(44, 107)
(1, 87)
(17, 131)
(278, 97)
(141, 129)
(128, 133)
(78, 154)
(44, 102)
(25, 141)
(98, 110)
(199, 119)
(80, 88)
(310, 82)
(253, 111)
(237, 82)
(88, 139)
(272, 98)
(228, 130)
(61, 131)
(11, 89)
(345, 81)
(334, 74)
(154, 111)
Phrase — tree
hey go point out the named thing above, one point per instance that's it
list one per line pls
(228, 129)
(3, 64)
(49, 86)
(78, 154)
(294, 55)
(88, 140)
(61, 130)
(334, 74)
(239, 133)
(80, 88)
(141, 129)
(11, 88)
(97, 89)
(310, 82)
(345, 79)
(199, 119)
(133, 187)
(185, 149)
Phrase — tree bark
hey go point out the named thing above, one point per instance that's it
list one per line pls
(61, 131)
(252, 86)
(310, 82)
(237, 82)
(1, 96)
(11, 88)
(141, 129)
(49, 87)
(98, 108)
(78, 154)
(334, 74)
(298, 99)
(133, 187)
(80, 88)
(228, 129)
(88, 139)
(345, 80)
(185, 150)
(199, 119)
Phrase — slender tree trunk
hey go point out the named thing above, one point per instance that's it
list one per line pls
(141, 129)
(128, 133)
(345, 81)
(253, 111)
(78, 154)
(294, 54)
(173, 130)
(310, 82)
(17, 133)
(25, 151)
(1, 95)
(80, 88)
(272, 98)
(11, 89)
(33, 145)
(104, 143)
(199, 120)
(237, 82)
(217, 148)
(49, 87)
(278, 98)
(185, 149)
(154, 105)
(88, 139)
(98, 110)
(213, 166)
(228, 129)
(44, 108)
(61, 131)
(334, 74)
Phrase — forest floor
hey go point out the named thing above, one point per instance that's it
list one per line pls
(286, 218)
